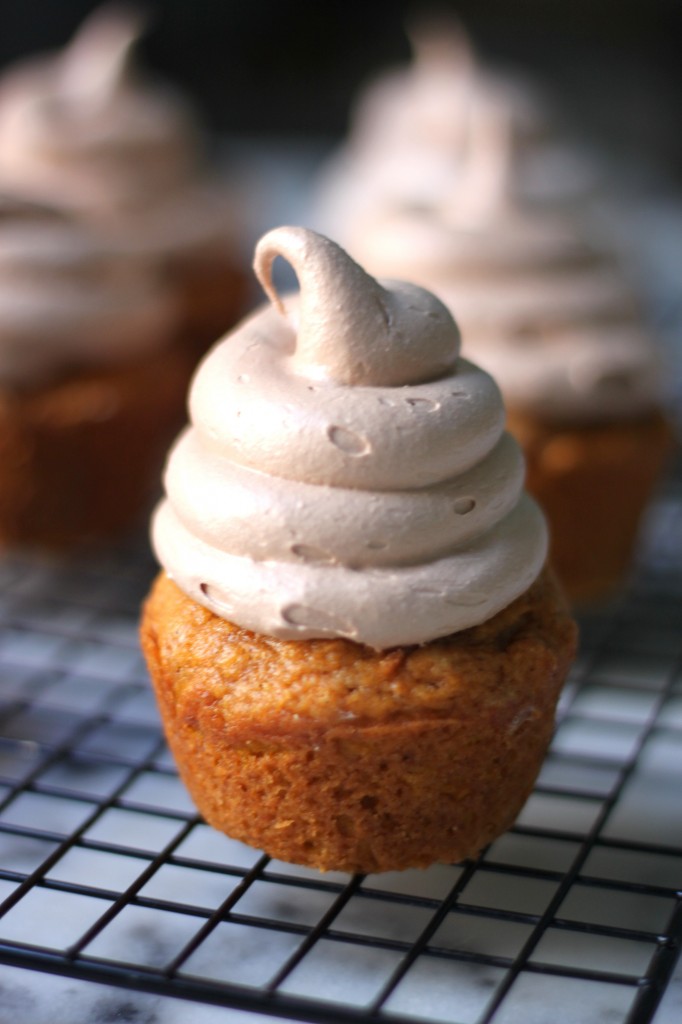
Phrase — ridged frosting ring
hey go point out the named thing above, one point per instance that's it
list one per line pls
(70, 300)
(334, 524)
(346, 473)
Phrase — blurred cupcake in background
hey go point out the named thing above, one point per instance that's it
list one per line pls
(88, 129)
(410, 135)
(92, 379)
(544, 306)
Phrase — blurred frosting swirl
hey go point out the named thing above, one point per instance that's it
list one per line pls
(413, 131)
(84, 127)
(67, 301)
(345, 472)
(542, 302)
(542, 306)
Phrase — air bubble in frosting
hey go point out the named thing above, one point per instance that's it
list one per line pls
(314, 618)
(427, 404)
(348, 441)
(218, 602)
(309, 553)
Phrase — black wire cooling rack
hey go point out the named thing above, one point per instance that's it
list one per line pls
(108, 875)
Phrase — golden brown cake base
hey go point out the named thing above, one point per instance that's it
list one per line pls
(327, 753)
(80, 459)
(593, 484)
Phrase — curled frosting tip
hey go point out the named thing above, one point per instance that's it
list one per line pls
(355, 330)
(93, 66)
(441, 41)
(384, 515)
(279, 242)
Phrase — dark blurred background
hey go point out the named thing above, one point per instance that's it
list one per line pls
(292, 67)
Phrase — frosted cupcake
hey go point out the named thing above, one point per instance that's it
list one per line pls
(92, 380)
(412, 131)
(87, 129)
(355, 644)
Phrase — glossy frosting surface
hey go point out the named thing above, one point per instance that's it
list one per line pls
(346, 472)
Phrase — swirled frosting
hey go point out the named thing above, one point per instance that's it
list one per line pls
(86, 129)
(413, 129)
(346, 473)
(542, 306)
(67, 301)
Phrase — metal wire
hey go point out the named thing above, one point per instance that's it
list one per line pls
(107, 874)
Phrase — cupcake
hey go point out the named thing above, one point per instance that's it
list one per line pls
(355, 642)
(85, 128)
(545, 306)
(92, 380)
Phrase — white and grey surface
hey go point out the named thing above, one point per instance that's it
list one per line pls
(572, 916)
(105, 870)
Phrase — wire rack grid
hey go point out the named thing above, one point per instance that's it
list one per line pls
(107, 874)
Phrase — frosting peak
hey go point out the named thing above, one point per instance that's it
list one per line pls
(351, 328)
(83, 125)
(94, 67)
(90, 130)
(312, 498)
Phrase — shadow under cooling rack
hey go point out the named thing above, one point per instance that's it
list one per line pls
(108, 875)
